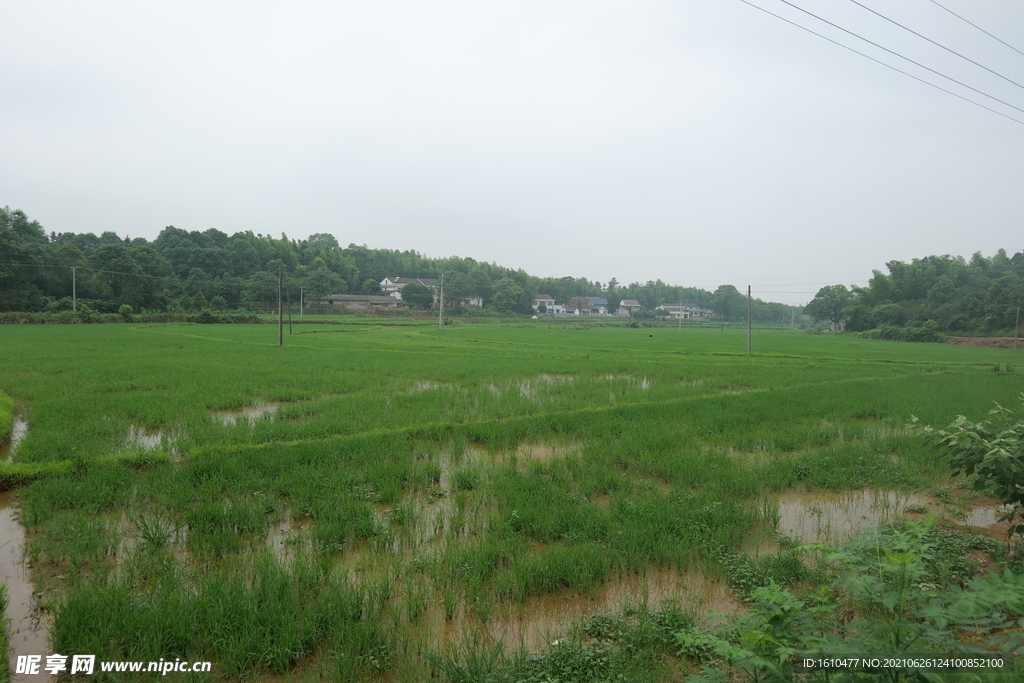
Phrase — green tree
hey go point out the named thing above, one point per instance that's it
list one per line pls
(321, 283)
(418, 296)
(457, 288)
(830, 303)
(506, 294)
(727, 302)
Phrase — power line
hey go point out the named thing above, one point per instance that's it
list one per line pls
(889, 66)
(978, 27)
(892, 52)
(996, 73)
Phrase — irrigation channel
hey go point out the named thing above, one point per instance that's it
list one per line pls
(19, 430)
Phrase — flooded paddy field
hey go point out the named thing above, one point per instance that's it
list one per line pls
(408, 503)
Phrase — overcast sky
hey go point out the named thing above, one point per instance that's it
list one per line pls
(697, 141)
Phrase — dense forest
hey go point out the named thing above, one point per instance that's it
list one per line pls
(183, 271)
(930, 298)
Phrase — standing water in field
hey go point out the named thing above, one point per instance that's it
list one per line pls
(18, 431)
(250, 413)
(28, 629)
(836, 517)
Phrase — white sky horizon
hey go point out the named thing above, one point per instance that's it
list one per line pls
(700, 143)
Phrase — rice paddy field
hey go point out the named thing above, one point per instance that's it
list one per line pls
(483, 502)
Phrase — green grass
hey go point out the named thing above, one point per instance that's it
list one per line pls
(390, 470)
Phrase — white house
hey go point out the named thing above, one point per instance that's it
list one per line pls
(392, 286)
(551, 308)
(685, 311)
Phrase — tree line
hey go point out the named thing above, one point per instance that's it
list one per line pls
(930, 298)
(192, 271)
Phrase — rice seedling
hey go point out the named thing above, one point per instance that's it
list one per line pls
(480, 469)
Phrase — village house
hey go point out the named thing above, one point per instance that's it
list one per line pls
(628, 306)
(392, 286)
(685, 311)
(550, 307)
(587, 305)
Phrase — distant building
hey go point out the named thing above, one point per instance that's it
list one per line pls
(354, 301)
(627, 306)
(685, 311)
(392, 286)
(587, 305)
(551, 308)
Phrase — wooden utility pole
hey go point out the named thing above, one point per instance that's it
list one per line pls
(280, 311)
(74, 294)
(748, 320)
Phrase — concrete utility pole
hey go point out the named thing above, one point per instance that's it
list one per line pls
(748, 320)
(280, 311)
(74, 294)
(440, 314)
(792, 318)
(680, 315)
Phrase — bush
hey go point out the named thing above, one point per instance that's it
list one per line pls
(992, 451)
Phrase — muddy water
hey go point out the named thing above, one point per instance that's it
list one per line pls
(540, 620)
(27, 628)
(250, 413)
(18, 432)
(834, 518)
(986, 515)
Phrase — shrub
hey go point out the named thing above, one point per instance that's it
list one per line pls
(992, 451)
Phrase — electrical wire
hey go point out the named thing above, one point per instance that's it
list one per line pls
(949, 78)
(996, 73)
(978, 27)
(878, 61)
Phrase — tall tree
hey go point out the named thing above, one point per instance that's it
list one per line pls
(830, 303)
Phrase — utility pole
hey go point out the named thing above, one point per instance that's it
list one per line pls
(289, 294)
(440, 314)
(680, 315)
(301, 304)
(280, 311)
(74, 294)
(748, 320)
(792, 318)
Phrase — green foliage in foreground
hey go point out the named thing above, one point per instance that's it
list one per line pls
(991, 452)
(889, 581)
(879, 593)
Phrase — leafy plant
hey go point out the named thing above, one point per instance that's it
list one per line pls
(992, 451)
(882, 580)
